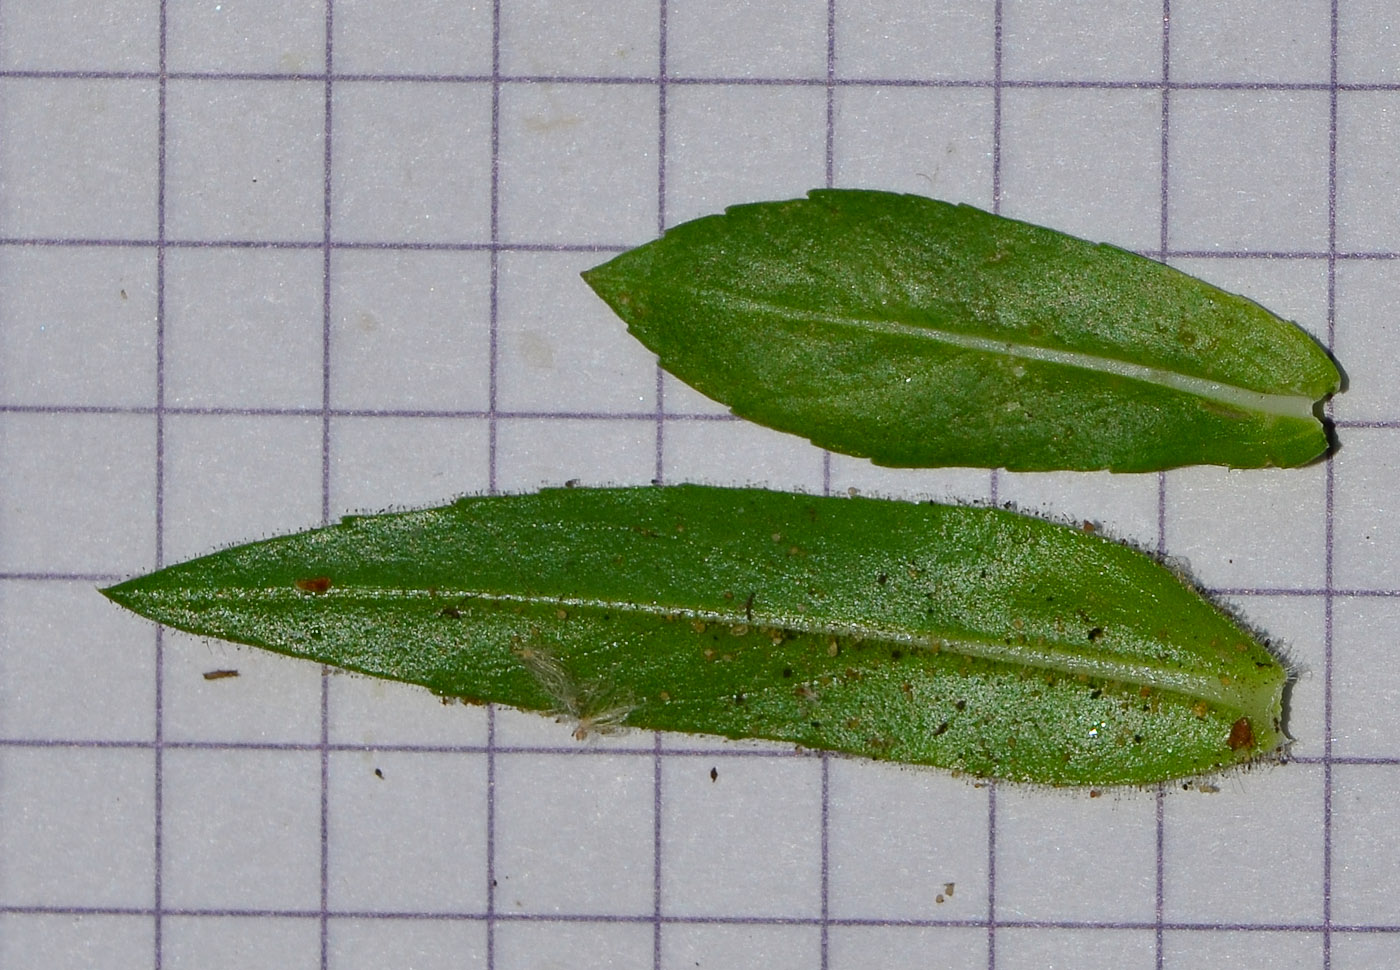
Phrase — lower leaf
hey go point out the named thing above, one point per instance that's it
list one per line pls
(974, 639)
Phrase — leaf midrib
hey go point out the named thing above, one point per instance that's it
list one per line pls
(1200, 685)
(1297, 406)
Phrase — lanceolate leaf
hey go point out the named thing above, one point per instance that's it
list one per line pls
(919, 333)
(975, 639)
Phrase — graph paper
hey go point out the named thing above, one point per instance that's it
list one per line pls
(266, 262)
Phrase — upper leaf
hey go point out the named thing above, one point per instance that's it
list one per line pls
(919, 333)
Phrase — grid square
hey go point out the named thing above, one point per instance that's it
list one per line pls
(1365, 857)
(1123, 507)
(242, 831)
(760, 820)
(1228, 854)
(735, 38)
(371, 711)
(948, 154)
(533, 453)
(1118, 40)
(574, 835)
(76, 942)
(252, 36)
(373, 944)
(413, 840)
(1086, 161)
(1251, 40)
(78, 157)
(410, 330)
(53, 685)
(561, 348)
(1249, 170)
(1362, 951)
(1086, 949)
(1368, 42)
(526, 945)
(727, 145)
(62, 846)
(912, 40)
(243, 328)
(80, 35)
(1365, 682)
(245, 160)
(1046, 844)
(740, 453)
(56, 516)
(585, 38)
(220, 473)
(1257, 529)
(904, 871)
(1235, 947)
(379, 463)
(409, 163)
(1366, 292)
(237, 943)
(1368, 178)
(899, 947)
(1366, 521)
(273, 700)
(424, 37)
(741, 947)
(578, 163)
(91, 341)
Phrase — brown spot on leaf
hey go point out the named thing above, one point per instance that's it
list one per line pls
(1241, 735)
(315, 584)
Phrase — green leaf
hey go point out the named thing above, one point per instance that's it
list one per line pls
(920, 333)
(975, 639)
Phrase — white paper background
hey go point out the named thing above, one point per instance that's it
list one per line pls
(240, 295)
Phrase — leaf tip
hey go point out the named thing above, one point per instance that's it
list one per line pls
(130, 595)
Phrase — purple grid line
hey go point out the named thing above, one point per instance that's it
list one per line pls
(659, 473)
(643, 918)
(698, 751)
(493, 348)
(492, 452)
(824, 827)
(1329, 505)
(327, 135)
(1336, 592)
(657, 761)
(603, 248)
(993, 480)
(1159, 901)
(490, 752)
(700, 81)
(1342, 424)
(158, 799)
(327, 253)
(657, 916)
(359, 413)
